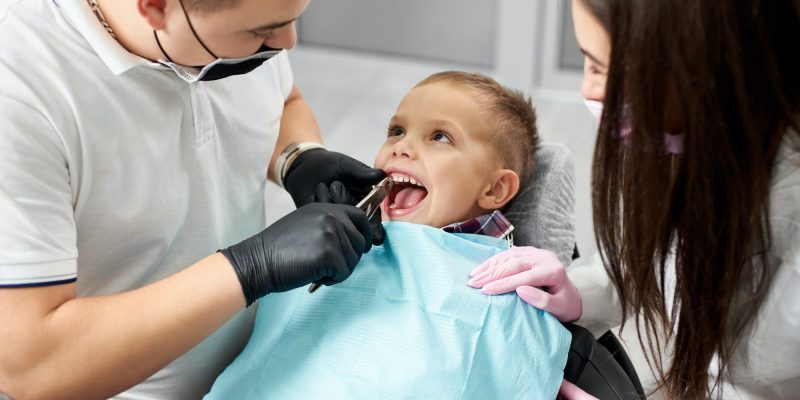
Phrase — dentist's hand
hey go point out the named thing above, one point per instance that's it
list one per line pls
(315, 171)
(315, 243)
(336, 193)
(537, 276)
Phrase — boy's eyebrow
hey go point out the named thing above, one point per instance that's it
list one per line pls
(447, 124)
(592, 57)
(274, 25)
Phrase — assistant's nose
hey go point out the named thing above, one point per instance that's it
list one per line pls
(593, 87)
(282, 38)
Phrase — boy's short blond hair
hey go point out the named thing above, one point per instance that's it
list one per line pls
(512, 121)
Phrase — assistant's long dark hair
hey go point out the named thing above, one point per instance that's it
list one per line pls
(727, 75)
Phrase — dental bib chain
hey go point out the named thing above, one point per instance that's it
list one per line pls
(100, 17)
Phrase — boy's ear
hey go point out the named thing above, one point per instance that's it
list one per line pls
(503, 186)
(154, 12)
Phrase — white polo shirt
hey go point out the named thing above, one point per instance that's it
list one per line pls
(117, 173)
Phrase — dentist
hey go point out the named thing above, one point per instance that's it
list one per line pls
(696, 194)
(137, 138)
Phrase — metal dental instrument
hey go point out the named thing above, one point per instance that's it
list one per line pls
(371, 203)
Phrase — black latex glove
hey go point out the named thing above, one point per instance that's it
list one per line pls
(315, 243)
(337, 194)
(322, 167)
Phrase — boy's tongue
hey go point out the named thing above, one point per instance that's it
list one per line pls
(409, 197)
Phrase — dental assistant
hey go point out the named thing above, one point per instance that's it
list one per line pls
(137, 139)
(696, 194)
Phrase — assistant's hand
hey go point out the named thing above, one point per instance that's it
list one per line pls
(315, 243)
(569, 391)
(537, 276)
(314, 171)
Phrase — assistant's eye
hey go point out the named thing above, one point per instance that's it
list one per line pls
(441, 137)
(393, 131)
(595, 69)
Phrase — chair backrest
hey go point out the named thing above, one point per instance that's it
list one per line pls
(543, 212)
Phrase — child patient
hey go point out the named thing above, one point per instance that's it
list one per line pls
(404, 325)
(459, 146)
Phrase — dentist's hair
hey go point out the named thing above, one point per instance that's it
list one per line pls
(511, 115)
(203, 6)
(729, 74)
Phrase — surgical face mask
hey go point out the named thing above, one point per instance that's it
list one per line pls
(595, 108)
(220, 67)
(672, 142)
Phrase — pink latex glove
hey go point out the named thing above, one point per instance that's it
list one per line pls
(537, 276)
(568, 391)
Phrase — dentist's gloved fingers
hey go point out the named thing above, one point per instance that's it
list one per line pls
(322, 166)
(313, 243)
(345, 261)
(355, 173)
(321, 194)
(569, 391)
(378, 233)
(360, 231)
(339, 193)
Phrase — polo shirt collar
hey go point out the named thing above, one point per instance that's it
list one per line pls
(80, 16)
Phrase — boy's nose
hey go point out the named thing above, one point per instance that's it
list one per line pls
(404, 149)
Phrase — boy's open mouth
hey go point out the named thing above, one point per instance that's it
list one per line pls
(404, 195)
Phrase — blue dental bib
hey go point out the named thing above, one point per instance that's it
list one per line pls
(405, 325)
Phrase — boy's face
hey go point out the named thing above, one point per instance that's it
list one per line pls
(438, 144)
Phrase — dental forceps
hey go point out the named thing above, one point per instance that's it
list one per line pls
(371, 203)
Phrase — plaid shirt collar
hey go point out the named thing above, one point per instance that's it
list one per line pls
(494, 224)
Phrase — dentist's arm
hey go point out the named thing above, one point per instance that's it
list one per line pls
(298, 124)
(55, 345)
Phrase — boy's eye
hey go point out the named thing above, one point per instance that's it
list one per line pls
(395, 131)
(441, 137)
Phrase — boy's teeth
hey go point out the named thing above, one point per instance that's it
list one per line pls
(401, 178)
(392, 205)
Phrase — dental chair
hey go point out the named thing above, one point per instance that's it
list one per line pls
(543, 216)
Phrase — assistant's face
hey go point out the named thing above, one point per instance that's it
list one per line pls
(595, 45)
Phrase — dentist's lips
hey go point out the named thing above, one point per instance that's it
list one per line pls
(405, 195)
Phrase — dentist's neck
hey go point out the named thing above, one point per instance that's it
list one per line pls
(132, 30)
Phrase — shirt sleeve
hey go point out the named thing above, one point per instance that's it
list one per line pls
(37, 225)
(599, 297)
(284, 71)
